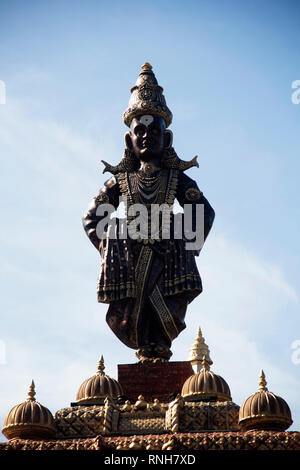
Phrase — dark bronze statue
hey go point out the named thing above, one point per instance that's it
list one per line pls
(148, 282)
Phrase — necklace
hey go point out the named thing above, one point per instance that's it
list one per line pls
(148, 168)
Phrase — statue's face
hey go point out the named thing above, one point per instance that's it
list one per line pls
(147, 135)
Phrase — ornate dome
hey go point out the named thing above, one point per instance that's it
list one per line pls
(97, 388)
(264, 410)
(29, 420)
(205, 385)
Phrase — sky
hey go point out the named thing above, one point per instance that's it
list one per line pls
(227, 69)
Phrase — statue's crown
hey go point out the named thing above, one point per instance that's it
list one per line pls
(147, 98)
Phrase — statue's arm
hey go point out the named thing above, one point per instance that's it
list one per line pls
(109, 194)
(189, 193)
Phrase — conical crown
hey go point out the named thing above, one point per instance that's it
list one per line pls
(147, 98)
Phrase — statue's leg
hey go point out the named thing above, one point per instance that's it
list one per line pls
(154, 343)
(156, 328)
(161, 320)
(117, 317)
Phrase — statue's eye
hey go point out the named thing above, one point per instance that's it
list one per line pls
(155, 130)
(139, 131)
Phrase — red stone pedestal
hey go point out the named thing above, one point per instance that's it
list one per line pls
(161, 380)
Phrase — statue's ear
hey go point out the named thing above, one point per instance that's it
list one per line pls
(128, 142)
(168, 139)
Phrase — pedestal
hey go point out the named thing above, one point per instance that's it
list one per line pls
(161, 380)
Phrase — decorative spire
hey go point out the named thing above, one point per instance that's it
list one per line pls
(31, 392)
(199, 350)
(101, 366)
(262, 382)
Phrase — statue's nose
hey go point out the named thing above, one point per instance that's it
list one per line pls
(148, 134)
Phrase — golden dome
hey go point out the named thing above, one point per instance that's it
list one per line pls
(264, 410)
(97, 388)
(205, 385)
(29, 420)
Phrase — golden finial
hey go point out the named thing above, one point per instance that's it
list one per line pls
(140, 404)
(146, 66)
(127, 406)
(101, 366)
(31, 392)
(262, 381)
(198, 350)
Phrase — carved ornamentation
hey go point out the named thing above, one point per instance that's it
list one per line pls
(193, 194)
(234, 441)
(128, 163)
(143, 417)
(87, 420)
(173, 414)
(171, 160)
(202, 416)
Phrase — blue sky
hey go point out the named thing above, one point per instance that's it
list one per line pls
(227, 69)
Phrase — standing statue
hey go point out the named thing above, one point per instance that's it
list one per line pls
(148, 282)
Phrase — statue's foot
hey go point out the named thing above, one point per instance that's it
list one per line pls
(145, 358)
(154, 353)
(144, 353)
(162, 352)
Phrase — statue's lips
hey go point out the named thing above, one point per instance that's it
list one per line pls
(147, 151)
(148, 145)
